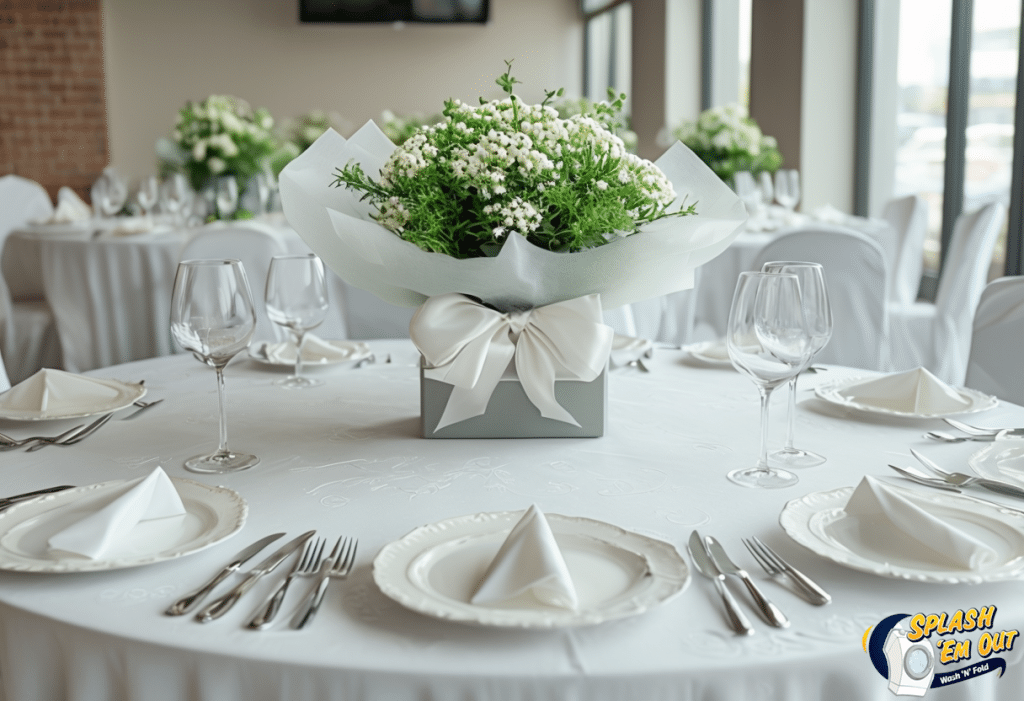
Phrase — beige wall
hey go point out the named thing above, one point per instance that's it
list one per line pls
(161, 53)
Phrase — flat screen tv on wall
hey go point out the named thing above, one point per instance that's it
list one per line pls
(437, 11)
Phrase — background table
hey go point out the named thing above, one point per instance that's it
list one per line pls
(346, 458)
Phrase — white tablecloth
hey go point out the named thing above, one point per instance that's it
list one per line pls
(346, 458)
(111, 295)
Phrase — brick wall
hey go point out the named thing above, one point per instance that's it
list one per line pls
(53, 123)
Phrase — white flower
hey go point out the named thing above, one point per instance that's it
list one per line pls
(601, 185)
(199, 150)
(216, 165)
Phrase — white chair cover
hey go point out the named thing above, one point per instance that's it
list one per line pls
(994, 365)
(5, 383)
(938, 336)
(908, 217)
(856, 278)
(252, 245)
(28, 333)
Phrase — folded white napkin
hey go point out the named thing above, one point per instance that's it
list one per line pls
(317, 350)
(70, 208)
(914, 392)
(55, 391)
(128, 226)
(898, 518)
(144, 499)
(528, 560)
(714, 350)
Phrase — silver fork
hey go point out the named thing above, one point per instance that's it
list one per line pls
(306, 566)
(776, 567)
(9, 443)
(78, 437)
(963, 480)
(981, 431)
(338, 566)
(142, 406)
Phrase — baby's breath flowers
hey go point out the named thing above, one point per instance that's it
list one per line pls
(729, 141)
(222, 135)
(462, 186)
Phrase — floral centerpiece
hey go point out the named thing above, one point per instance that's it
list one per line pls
(399, 128)
(729, 141)
(222, 135)
(510, 228)
(610, 113)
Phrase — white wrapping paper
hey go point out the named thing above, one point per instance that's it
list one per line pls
(659, 260)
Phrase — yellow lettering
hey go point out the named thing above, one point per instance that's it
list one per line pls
(956, 623)
(1010, 635)
(963, 650)
(916, 628)
(947, 651)
(971, 619)
(986, 616)
(941, 627)
(985, 644)
(931, 622)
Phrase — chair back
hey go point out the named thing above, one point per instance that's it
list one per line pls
(5, 383)
(855, 277)
(253, 246)
(994, 364)
(908, 217)
(21, 201)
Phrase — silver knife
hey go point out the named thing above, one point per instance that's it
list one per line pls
(772, 613)
(187, 603)
(219, 607)
(7, 502)
(702, 560)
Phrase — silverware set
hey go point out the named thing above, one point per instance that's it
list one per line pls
(713, 562)
(311, 563)
(954, 481)
(70, 437)
(974, 433)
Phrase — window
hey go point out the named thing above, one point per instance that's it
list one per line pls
(607, 46)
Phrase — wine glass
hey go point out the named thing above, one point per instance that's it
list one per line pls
(296, 298)
(748, 191)
(767, 341)
(212, 315)
(764, 184)
(175, 196)
(227, 196)
(261, 184)
(147, 195)
(818, 317)
(787, 188)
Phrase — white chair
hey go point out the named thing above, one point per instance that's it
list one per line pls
(994, 365)
(856, 278)
(938, 336)
(253, 246)
(5, 382)
(28, 333)
(908, 217)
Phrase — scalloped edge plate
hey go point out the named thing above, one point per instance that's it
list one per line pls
(213, 514)
(128, 394)
(830, 393)
(807, 519)
(617, 573)
(360, 351)
(985, 462)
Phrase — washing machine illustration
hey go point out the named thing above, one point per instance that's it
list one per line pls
(911, 664)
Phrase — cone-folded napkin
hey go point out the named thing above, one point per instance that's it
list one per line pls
(915, 391)
(52, 391)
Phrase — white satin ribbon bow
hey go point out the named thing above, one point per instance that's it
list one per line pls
(468, 345)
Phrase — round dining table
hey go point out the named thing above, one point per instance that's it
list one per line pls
(347, 458)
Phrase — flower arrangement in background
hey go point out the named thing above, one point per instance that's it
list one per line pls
(462, 186)
(400, 128)
(298, 133)
(609, 113)
(222, 135)
(729, 141)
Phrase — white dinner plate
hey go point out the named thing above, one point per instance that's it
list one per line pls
(1000, 460)
(818, 522)
(127, 394)
(342, 352)
(212, 514)
(710, 352)
(617, 573)
(979, 401)
(59, 228)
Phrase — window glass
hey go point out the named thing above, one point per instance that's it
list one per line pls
(746, 11)
(609, 60)
(989, 158)
(923, 79)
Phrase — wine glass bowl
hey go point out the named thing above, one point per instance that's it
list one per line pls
(818, 318)
(296, 298)
(148, 194)
(787, 189)
(767, 341)
(212, 315)
(227, 196)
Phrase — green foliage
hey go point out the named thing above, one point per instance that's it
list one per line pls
(728, 142)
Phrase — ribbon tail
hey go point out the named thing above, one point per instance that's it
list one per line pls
(536, 370)
(467, 402)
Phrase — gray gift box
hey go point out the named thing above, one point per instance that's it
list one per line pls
(511, 414)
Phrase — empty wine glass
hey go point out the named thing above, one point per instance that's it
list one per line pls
(296, 298)
(748, 191)
(108, 193)
(212, 315)
(818, 317)
(764, 184)
(175, 197)
(227, 196)
(261, 184)
(768, 342)
(146, 197)
(787, 189)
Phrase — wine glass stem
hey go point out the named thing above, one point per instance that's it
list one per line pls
(792, 415)
(223, 447)
(299, 338)
(762, 461)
